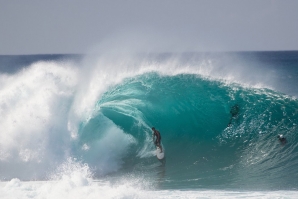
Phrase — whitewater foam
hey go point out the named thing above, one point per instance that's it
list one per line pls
(67, 188)
(34, 108)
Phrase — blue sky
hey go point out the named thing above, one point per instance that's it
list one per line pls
(76, 26)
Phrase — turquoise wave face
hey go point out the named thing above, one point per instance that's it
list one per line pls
(214, 134)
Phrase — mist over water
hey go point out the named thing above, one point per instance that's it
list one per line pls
(79, 119)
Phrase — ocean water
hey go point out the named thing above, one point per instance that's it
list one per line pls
(79, 126)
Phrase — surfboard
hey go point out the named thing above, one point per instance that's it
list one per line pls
(160, 155)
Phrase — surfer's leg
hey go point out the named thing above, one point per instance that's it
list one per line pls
(159, 145)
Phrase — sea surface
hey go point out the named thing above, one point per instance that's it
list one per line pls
(79, 126)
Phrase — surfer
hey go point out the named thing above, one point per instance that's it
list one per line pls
(282, 139)
(234, 113)
(156, 134)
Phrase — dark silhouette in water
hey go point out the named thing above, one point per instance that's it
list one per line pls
(234, 113)
(156, 134)
(282, 139)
